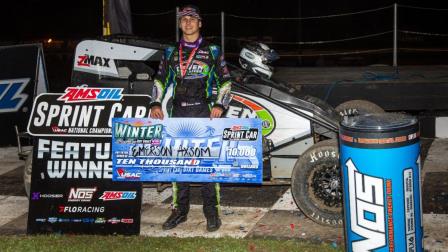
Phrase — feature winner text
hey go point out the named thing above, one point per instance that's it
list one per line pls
(66, 159)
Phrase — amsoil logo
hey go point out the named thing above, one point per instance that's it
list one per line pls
(88, 60)
(11, 96)
(118, 195)
(86, 94)
(81, 194)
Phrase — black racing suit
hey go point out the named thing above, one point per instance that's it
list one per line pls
(192, 97)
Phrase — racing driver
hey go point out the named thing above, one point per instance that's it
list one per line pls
(193, 67)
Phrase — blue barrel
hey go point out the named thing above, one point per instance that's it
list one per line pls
(380, 161)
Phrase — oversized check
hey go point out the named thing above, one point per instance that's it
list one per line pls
(187, 149)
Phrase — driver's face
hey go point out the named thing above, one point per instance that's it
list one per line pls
(190, 25)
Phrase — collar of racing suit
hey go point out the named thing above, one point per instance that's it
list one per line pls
(191, 44)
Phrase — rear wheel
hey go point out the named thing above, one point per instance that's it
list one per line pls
(358, 107)
(316, 183)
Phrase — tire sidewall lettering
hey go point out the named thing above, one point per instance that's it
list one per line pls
(327, 221)
(316, 156)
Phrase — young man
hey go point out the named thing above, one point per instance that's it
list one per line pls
(192, 67)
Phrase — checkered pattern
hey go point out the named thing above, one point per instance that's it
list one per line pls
(189, 11)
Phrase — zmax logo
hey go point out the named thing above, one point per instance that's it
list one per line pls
(11, 96)
(366, 209)
(88, 60)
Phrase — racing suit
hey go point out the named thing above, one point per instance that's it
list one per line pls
(203, 67)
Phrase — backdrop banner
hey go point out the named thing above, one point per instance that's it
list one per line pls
(71, 182)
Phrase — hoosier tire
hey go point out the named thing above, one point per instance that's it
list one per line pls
(358, 107)
(316, 184)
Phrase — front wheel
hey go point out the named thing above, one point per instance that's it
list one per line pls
(316, 183)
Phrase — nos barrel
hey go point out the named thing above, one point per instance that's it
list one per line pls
(380, 161)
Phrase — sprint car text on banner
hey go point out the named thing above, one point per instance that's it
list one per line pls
(84, 111)
(188, 150)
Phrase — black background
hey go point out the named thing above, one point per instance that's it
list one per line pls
(45, 208)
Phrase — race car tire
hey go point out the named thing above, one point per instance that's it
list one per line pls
(358, 107)
(27, 173)
(316, 184)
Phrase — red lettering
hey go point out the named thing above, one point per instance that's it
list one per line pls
(69, 94)
(390, 220)
(111, 195)
(81, 94)
(388, 186)
(82, 60)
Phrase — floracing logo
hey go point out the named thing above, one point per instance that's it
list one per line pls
(81, 209)
(89, 60)
(11, 96)
(123, 174)
(87, 94)
(81, 194)
(118, 195)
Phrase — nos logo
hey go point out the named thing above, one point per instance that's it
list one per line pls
(81, 194)
(366, 209)
(11, 96)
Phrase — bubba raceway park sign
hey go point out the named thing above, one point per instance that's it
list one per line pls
(71, 188)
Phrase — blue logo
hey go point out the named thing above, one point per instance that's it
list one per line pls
(11, 96)
(88, 220)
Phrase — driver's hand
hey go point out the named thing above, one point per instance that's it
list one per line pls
(156, 113)
(216, 112)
